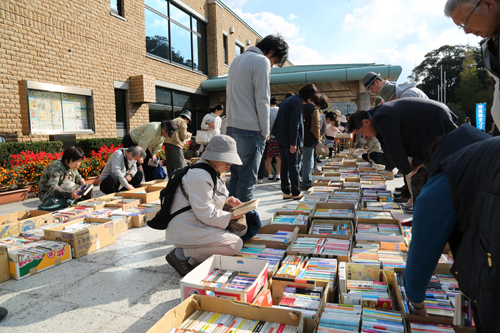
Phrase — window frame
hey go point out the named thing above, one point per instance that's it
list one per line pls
(117, 12)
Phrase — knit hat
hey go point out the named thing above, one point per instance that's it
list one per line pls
(387, 91)
(222, 148)
(369, 78)
(186, 114)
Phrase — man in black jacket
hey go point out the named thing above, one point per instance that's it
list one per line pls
(405, 128)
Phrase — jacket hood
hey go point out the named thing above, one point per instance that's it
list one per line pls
(400, 88)
(254, 49)
(452, 142)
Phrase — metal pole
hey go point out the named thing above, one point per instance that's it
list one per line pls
(441, 85)
(439, 93)
(444, 88)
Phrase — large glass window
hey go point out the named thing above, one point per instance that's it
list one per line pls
(116, 7)
(174, 35)
(239, 49)
(226, 56)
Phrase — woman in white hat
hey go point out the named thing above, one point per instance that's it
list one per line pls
(207, 228)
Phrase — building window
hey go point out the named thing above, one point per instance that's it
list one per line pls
(175, 35)
(239, 49)
(226, 56)
(121, 113)
(116, 7)
(170, 103)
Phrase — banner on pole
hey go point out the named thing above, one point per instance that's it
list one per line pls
(481, 116)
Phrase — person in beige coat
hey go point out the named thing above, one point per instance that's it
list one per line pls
(174, 154)
(208, 228)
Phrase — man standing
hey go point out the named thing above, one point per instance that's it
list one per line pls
(150, 138)
(373, 84)
(121, 170)
(481, 18)
(406, 128)
(248, 115)
(174, 145)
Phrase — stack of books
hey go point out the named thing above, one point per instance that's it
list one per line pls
(371, 294)
(324, 246)
(305, 300)
(365, 252)
(382, 206)
(34, 250)
(314, 198)
(11, 242)
(74, 228)
(379, 229)
(392, 254)
(340, 318)
(382, 321)
(299, 207)
(236, 280)
(366, 214)
(291, 266)
(261, 252)
(326, 228)
(39, 233)
(337, 213)
(281, 236)
(320, 269)
(290, 219)
(215, 322)
(427, 327)
(71, 213)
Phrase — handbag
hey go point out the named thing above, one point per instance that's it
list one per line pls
(56, 202)
(202, 137)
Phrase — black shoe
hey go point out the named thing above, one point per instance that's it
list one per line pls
(318, 161)
(3, 313)
(305, 188)
(398, 175)
(400, 189)
(401, 199)
(181, 266)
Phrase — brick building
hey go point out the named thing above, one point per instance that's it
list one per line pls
(106, 66)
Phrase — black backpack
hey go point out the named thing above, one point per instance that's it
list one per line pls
(163, 217)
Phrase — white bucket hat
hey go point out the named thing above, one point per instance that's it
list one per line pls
(222, 148)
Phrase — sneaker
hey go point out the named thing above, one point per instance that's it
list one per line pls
(181, 266)
(400, 189)
(298, 197)
(270, 178)
(287, 196)
(3, 313)
(259, 181)
(401, 199)
(277, 178)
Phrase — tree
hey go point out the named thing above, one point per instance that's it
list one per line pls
(428, 73)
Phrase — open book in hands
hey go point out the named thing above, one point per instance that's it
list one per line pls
(246, 207)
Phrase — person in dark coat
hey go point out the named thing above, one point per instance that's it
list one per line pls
(288, 130)
(405, 128)
(459, 205)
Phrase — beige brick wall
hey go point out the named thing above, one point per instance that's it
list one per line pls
(79, 44)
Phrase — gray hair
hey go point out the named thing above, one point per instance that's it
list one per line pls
(136, 150)
(451, 5)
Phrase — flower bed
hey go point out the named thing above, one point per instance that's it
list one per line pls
(26, 168)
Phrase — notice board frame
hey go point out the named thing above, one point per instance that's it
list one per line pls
(80, 94)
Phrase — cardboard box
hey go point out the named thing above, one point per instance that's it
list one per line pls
(150, 195)
(335, 222)
(388, 175)
(190, 284)
(157, 187)
(85, 241)
(379, 238)
(278, 288)
(154, 182)
(19, 270)
(390, 291)
(411, 317)
(14, 223)
(345, 258)
(176, 316)
(124, 205)
(141, 220)
(120, 225)
(302, 228)
(332, 206)
(4, 265)
(274, 228)
(98, 204)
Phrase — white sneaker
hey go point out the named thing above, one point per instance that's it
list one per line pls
(259, 181)
(270, 178)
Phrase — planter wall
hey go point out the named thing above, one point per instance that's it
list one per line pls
(93, 181)
(13, 196)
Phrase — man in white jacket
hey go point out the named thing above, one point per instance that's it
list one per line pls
(248, 96)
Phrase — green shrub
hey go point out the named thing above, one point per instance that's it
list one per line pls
(9, 148)
(88, 145)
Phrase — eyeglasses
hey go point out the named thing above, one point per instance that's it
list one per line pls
(464, 25)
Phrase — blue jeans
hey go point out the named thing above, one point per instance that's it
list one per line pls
(308, 159)
(290, 165)
(250, 146)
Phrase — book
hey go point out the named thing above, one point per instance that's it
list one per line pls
(246, 207)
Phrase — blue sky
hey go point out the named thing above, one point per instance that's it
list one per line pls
(357, 31)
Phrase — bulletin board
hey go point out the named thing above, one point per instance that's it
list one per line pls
(53, 109)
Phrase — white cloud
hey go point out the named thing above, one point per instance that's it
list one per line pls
(292, 17)
(233, 4)
(268, 23)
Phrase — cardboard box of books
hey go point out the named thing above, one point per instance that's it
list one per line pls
(339, 228)
(71, 214)
(199, 312)
(121, 223)
(4, 265)
(124, 203)
(14, 223)
(153, 182)
(321, 246)
(364, 284)
(21, 268)
(146, 194)
(289, 219)
(235, 278)
(385, 230)
(324, 211)
(442, 314)
(308, 297)
(268, 253)
(83, 236)
(140, 215)
(157, 187)
(94, 203)
(389, 175)
(270, 235)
